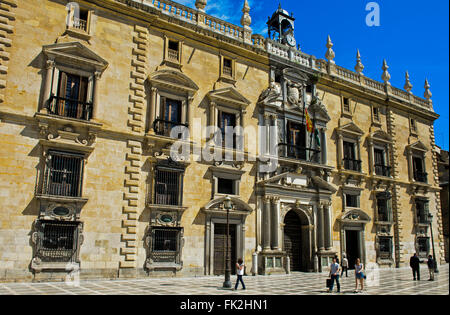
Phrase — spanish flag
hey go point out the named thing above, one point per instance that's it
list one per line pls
(309, 123)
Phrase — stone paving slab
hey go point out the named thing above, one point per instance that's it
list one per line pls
(379, 282)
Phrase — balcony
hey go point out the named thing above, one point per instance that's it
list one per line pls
(79, 24)
(352, 165)
(172, 54)
(382, 170)
(299, 153)
(420, 176)
(164, 127)
(71, 108)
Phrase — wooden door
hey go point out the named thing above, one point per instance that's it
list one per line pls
(220, 235)
(293, 240)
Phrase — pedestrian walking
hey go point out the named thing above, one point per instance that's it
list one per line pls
(240, 272)
(431, 267)
(337, 258)
(359, 275)
(414, 263)
(334, 274)
(344, 265)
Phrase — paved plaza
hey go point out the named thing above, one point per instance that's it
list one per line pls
(383, 282)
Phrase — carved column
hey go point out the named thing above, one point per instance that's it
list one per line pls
(190, 109)
(95, 110)
(320, 229)
(327, 226)
(266, 223)
(152, 111)
(267, 128)
(275, 222)
(410, 165)
(371, 157)
(274, 137)
(340, 150)
(50, 65)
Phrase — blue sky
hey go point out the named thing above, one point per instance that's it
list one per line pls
(413, 36)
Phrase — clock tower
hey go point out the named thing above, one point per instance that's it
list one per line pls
(281, 27)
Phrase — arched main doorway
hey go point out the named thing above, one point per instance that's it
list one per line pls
(296, 240)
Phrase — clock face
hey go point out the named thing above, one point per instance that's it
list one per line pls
(290, 40)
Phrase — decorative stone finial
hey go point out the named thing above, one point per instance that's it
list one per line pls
(200, 5)
(385, 76)
(330, 53)
(408, 86)
(359, 66)
(427, 93)
(246, 20)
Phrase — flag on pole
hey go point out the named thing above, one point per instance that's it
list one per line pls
(309, 123)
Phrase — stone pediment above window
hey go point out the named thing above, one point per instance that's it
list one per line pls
(75, 54)
(350, 129)
(355, 216)
(417, 146)
(380, 136)
(229, 96)
(173, 80)
(239, 206)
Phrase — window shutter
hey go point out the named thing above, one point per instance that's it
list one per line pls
(82, 94)
(162, 107)
(61, 93)
(426, 209)
(389, 209)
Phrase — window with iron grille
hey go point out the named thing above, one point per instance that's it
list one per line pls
(58, 241)
(165, 244)
(168, 186)
(422, 209)
(423, 246)
(385, 246)
(384, 208)
(63, 174)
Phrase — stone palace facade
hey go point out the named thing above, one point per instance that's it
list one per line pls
(323, 161)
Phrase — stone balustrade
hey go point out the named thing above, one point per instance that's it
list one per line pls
(198, 18)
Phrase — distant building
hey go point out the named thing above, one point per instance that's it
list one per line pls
(443, 164)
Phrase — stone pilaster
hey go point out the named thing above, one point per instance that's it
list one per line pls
(138, 75)
(396, 205)
(275, 223)
(437, 195)
(130, 208)
(266, 223)
(7, 20)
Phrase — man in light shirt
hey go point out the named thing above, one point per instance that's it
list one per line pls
(344, 265)
(334, 274)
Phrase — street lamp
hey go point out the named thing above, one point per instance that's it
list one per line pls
(430, 220)
(227, 204)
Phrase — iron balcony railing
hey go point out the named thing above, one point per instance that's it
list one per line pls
(163, 127)
(58, 241)
(63, 175)
(67, 107)
(297, 152)
(382, 170)
(420, 176)
(352, 165)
